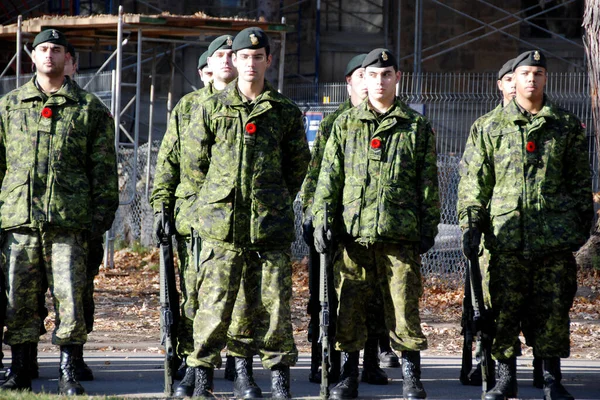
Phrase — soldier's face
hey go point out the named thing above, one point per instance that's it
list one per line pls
(252, 64)
(221, 65)
(530, 82)
(70, 67)
(206, 75)
(357, 85)
(381, 84)
(507, 87)
(49, 59)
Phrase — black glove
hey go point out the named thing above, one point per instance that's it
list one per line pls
(159, 230)
(471, 242)
(307, 230)
(322, 239)
(426, 244)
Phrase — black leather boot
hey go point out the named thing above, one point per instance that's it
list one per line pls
(82, 371)
(19, 377)
(230, 368)
(412, 388)
(371, 372)
(34, 368)
(553, 389)
(538, 372)
(244, 386)
(387, 357)
(187, 384)
(506, 384)
(67, 381)
(347, 388)
(280, 382)
(204, 382)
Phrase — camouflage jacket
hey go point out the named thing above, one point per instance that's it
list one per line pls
(528, 182)
(255, 157)
(57, 160)
(307, 192)
(381, 177)
(177, 181)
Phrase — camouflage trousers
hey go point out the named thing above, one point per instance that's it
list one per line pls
(31, 256)
(394, 270)
(534, 295)
(264, 315)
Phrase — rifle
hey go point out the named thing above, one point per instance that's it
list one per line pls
(481, 324)
(466, 376)
(324, 315)
(169, 306)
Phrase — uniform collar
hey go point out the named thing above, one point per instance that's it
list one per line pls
(515, 113)
(397, 110)
(30, 91)
(231, 96)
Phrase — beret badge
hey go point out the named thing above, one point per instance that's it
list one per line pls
(253, 39)
(384, 56)
(536, 56)
(229, 41)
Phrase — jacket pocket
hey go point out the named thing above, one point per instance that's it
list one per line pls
(185, 214)
(351, 202)
(398, 215)
(215, 210)
(505, 220)
(272, 218)
(15, 202)
(70, 202)
(562, 226)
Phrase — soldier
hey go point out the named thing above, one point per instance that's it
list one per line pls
(525, 177)
(206, 75)
(372, 373)
(379, 174)
(249, 140)
(59, 192)
(177, 181)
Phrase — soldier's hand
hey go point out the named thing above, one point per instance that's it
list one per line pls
(159, 229)
(307, 230)
(322, 239)
(471, 242)
(426, 244)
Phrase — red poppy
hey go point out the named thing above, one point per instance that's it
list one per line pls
(46, 112)
(375, 143)
(251, 128)
(530, 147)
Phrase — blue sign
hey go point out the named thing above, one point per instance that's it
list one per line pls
(312, 120)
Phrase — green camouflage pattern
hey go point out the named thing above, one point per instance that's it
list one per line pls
(31, 256)
(386, 194)
(307, 191)
(392, 269)
(59, 171)
(178, 180)
(533, 295)
(251, 179)
(267, 287)
(528, 202)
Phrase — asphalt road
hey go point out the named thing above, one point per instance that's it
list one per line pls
(139, 375)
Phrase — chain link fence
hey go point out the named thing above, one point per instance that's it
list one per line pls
(452, 102)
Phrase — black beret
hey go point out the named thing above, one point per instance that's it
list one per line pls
(532, 58)
(51, 36)
(71, 50)
(506, 68)
(221, 43)
(202, 62)
(250, 38)
(380, 58)
(354, 64)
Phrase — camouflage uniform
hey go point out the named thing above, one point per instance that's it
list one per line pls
(255, 156)
(379, 174)
(176, 184)
(527, 179)
(59, 188)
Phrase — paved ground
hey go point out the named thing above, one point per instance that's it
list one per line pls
(139, 375)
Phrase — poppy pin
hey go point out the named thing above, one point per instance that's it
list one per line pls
(46, 112)
(251, 128)
(530, 147)
(375, 143)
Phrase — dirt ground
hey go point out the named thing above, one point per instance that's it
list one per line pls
(127, 310)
